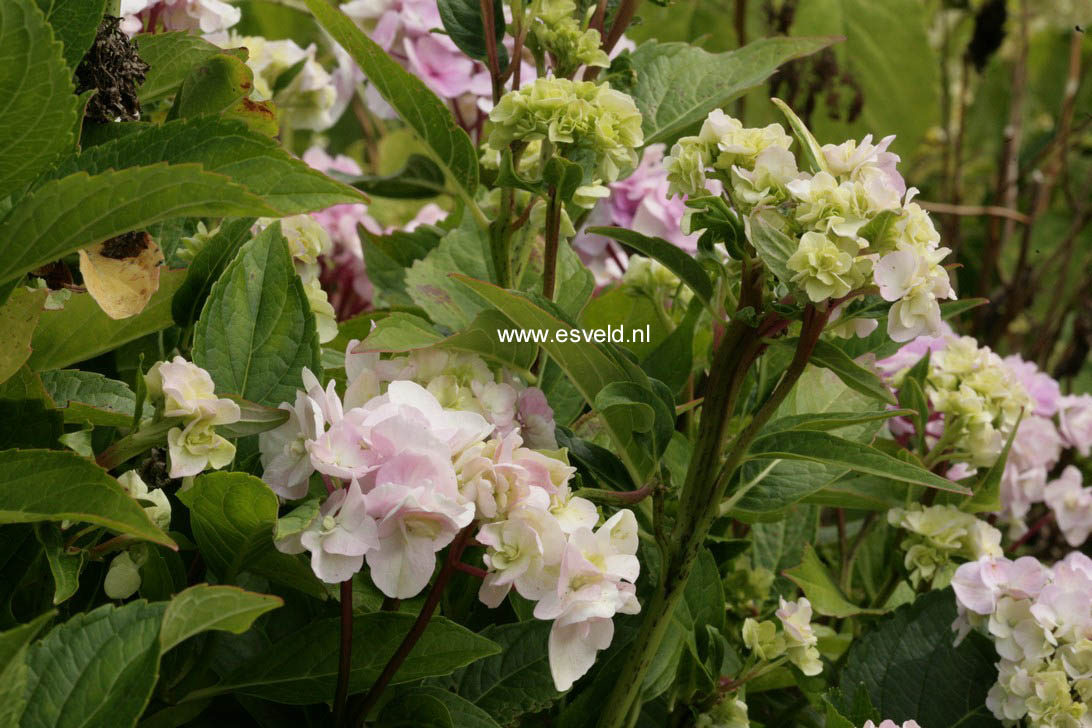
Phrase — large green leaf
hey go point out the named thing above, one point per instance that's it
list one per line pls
(429, 284)
(227, 148)
(38, 113)
(81, 330)
(202, 608)
(677, 84)
(910, 669)
(818, 586)
(588, 365)
(421, 109)
(206, 267)
(74, 23)
(406, 709)
(257, 332)
(889, 56)
(74, 212)
(827, 449)
(170, 56)
(852, 374)
(233, 516)
(779, 545)
(18, 319)
(301, 668)
(89, 397)
(389, 257)
(515, 681)
(96, 670)
(64, 567)
(399, 332)
(13, 668)
(56, 485)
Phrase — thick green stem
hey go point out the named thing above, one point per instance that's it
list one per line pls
(703, 491)
(553, 239)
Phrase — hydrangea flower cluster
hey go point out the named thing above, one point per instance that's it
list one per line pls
(206, 16)
(639, 202)
(423, 446)
(556, 30)
(937, 536)
(405, 29)
(184, 391)
(795, 640)
(1040, 622)
(572, 113)
(975, 397)
(854, 221)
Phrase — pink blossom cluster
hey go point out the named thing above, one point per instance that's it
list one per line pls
(206, 16)
(640, 202)
(1040, 621)
(344, 275)
(1055, 423)
(405, 473)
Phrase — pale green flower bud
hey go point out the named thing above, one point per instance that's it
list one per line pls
(762, 639)
(122, 578)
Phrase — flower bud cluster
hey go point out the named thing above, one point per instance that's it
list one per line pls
(1040, 622)
(796, 639)
(423, 446)
(184, 391)
(557, 31)
(575, 114)
(854, 221)
(938, 535)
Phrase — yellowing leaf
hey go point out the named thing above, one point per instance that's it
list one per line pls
(122, 286)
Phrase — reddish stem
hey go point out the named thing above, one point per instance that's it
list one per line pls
(346, 657)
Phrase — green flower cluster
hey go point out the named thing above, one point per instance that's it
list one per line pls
(576, 114)
(557, 31)
(938, 535)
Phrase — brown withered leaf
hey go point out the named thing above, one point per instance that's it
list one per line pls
(122, 275)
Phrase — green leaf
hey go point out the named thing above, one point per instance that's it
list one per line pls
(96, 670)
(774, 247)
(678, 84)
(824, 448)
(515, 681)
(53, 485)
(415, 711)
(75, 23)
(39, 108)
(64, 567)
(824, 421)
(254, 419)
(81, 330)
(170, 56)
(673, 258)
(911, 670)
(206, 267)
(202, 608)
(64, 215)
(18, 319)
(652, 417)
(388, 258)
(400, 332)
(810, 151)
(298, 519)
(257, 332)
(89, 397)
(465, 26)
(852, 374)
(405, 710)
(778, 545)
(419, 108)
(672, 362)
(212, 87)
(301, 668)
(233, 516)
(13, 667)
(227, 148)
(429, 284)
(825, 596)
(889, 55)
(588, 365)
(419, 179)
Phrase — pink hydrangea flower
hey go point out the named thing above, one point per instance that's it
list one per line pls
(1072, 505)
(206, 16)
(1042, 387)
(1075, 421)
(339, 537)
